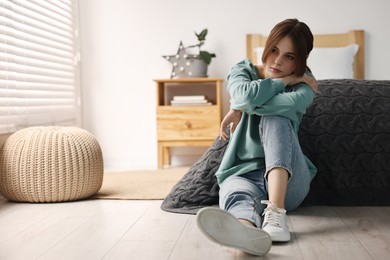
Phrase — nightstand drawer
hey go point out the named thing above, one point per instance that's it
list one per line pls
(187, 123)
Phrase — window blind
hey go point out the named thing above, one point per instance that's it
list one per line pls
(38, 64)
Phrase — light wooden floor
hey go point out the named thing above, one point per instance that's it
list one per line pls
(140, 230)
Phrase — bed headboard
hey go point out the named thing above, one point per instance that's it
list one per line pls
(321, 40)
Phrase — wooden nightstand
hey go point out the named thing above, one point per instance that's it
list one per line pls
(187, 125)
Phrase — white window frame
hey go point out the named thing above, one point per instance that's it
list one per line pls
(39, 64)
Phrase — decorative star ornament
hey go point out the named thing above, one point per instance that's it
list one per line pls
(181, 62)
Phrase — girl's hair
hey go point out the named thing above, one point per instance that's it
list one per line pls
(301, 37)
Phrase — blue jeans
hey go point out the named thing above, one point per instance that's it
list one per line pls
(241, 195)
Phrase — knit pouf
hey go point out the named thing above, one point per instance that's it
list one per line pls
(50, 164)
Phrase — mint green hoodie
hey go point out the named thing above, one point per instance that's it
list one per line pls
(259, 97)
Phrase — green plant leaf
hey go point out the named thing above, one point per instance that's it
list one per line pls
(206, 56)
(202, 35)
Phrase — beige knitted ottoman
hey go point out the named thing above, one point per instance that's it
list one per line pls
(50, 164)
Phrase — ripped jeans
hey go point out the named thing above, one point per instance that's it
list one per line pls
(241, 195)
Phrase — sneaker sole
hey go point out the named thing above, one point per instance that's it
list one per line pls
(224, 229)
(279, 237)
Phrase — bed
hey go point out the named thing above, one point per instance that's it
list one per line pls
(324, 44)
(345, 133)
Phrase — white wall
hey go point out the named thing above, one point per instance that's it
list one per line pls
(122, 42)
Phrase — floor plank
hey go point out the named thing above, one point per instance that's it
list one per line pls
(153, 236)
(62, 219)
(100, 234)
(14, 220)
(110, 229)
(321, 234)
(370, 226)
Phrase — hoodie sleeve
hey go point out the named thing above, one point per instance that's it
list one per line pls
(247, 90)
(291, 104)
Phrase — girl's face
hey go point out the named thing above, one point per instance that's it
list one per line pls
(281, 61)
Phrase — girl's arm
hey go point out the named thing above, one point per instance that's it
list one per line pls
(265, 97)
(244, 86)
(247, 90)
(289, 104)
(231, 119)
(294, 102)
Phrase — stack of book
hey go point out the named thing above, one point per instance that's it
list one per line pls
(190, 101)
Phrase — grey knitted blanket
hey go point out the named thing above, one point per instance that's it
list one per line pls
(345, 133)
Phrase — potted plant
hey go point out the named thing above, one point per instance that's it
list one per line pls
(191, 65)
(203, 55)
(201, 60)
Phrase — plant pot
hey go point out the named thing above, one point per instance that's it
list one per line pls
(198, 68)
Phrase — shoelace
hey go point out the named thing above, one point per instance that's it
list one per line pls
(272, 214)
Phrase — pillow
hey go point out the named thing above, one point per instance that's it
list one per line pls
(328, 63)
(333, 63)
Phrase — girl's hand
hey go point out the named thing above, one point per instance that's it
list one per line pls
(232, 118)
(291, 80)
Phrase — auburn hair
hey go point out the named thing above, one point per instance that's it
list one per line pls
(301, 37)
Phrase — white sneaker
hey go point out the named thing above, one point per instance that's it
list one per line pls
(275, 222)
(225, 229)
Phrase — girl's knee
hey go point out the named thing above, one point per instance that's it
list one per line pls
(238, 188)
